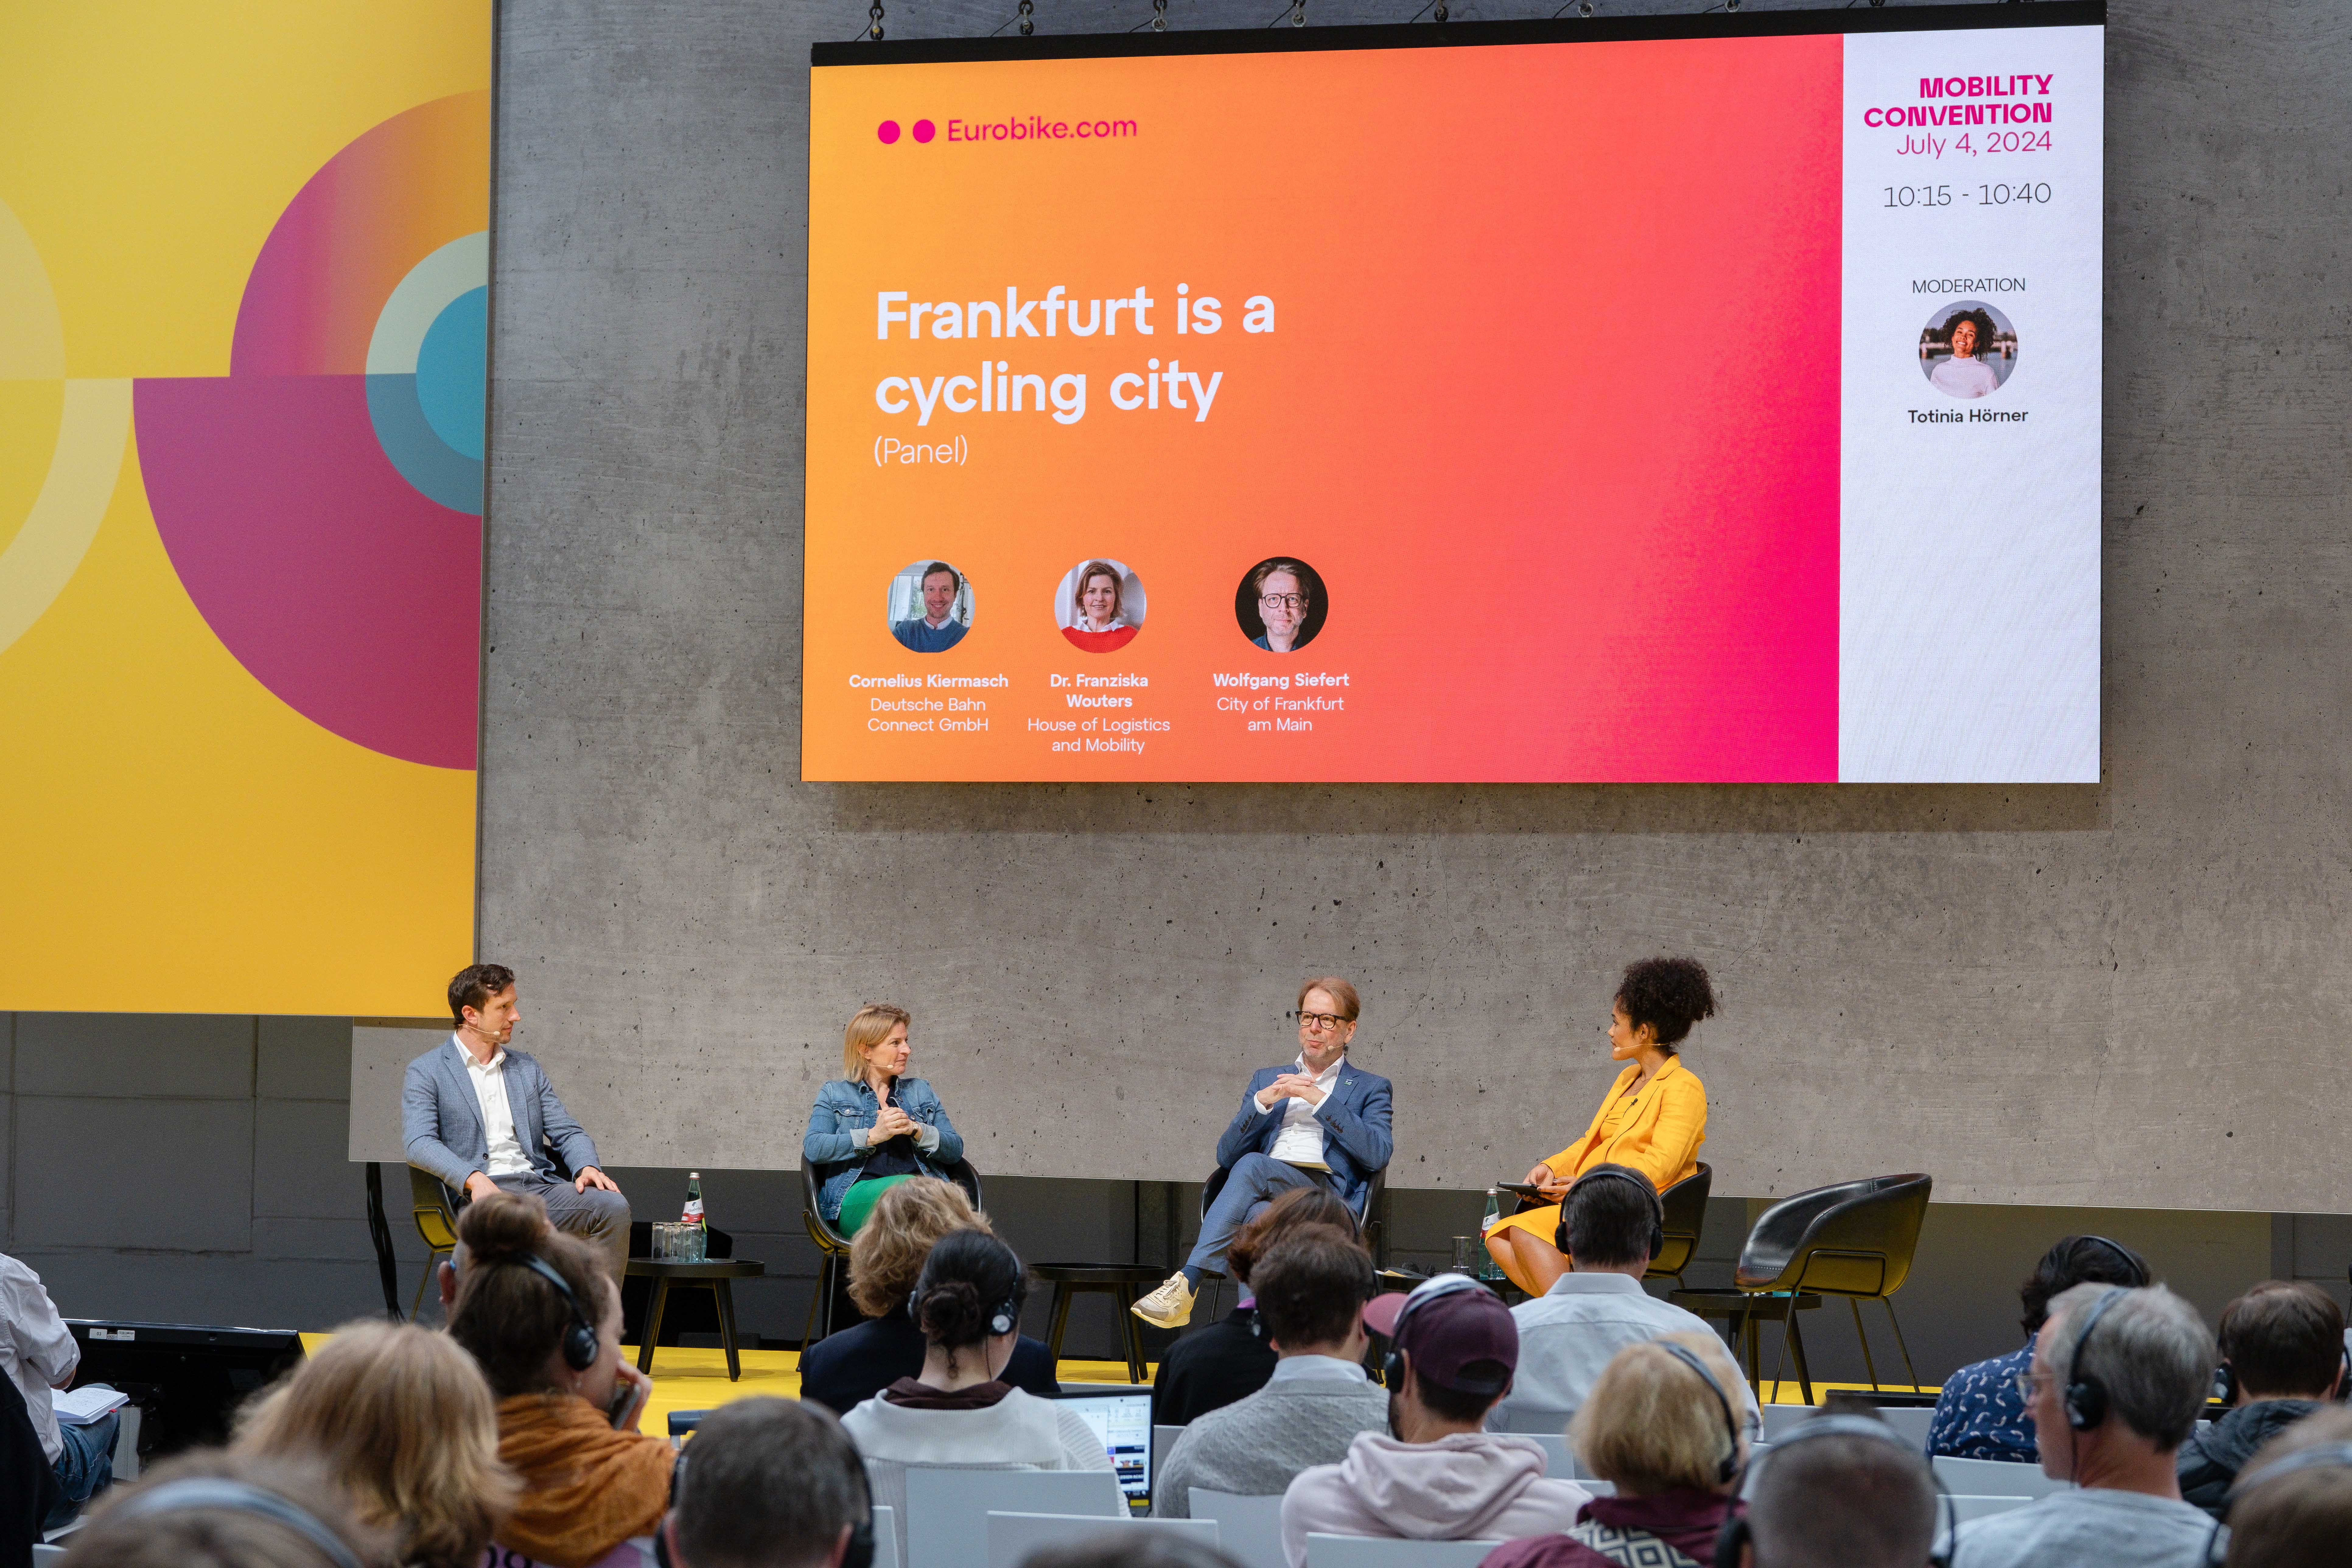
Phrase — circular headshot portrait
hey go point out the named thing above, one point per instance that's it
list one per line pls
(1968, 348)
(931, 607)
(1099, 606)
(1281, 604)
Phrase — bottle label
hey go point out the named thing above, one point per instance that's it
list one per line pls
(693, 1214)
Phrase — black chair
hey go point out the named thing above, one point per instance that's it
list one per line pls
(1371, 1223)
(835, 1246)
(1854, 1239)
(1685, 1204)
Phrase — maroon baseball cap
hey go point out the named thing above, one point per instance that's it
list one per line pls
(1459, 1333)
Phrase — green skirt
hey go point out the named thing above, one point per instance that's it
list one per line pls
(860, 1201)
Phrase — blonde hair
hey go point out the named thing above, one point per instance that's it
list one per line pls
(885, 1256)
(1342, 994)
(1651, 1424)
(869, 1029)
(403, 1419)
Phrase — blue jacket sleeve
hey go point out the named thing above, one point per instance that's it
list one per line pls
(570, 1140)
(950, 1147)
(1362, 1132)
(1242, 1135)
(420, 1130)
(825, 1142)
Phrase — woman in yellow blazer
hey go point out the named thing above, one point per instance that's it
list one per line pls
(1654, 1119)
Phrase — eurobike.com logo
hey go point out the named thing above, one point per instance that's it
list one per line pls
(1028, 128)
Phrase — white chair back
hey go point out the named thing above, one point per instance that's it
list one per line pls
(1911, 1422)
(44, 1556)
(1559, 1463)
(1249, 1528)
(1994, 1478)
(1375, 1551)
(1163, 1442)
(885, 1536)
(1011, 1537)
(1533, 1420)
(948, 1507)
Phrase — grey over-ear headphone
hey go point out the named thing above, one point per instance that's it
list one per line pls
(197, 1493)
(1736, 1530)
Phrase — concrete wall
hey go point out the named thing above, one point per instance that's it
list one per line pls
(2124, 992)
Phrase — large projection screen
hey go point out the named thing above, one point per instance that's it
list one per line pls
(1713, 406)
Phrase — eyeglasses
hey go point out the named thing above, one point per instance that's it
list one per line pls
(1282, 600)
(1318, 1020)
(2028, 1383)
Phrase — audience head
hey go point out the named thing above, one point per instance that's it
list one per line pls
(1298, 1207)
(969, 1298)
(1454, 1349)
(1311, 1287)
(874, 1023)
(402, 1419)
(1656, 1423)
(1608, 1218)
(514, 1320)
(2282, 1339)
(1665, 996)
(2119, 1376)
(885, 1256)
(767, 1483)
(1115, 1548)
(1842, 1491)
(213, 1510)
(2292, 1505)
(2078, 1260)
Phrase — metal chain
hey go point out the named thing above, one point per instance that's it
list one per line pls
(1159, 16)
(1298, 13)
(874, 29)
(1028, 22)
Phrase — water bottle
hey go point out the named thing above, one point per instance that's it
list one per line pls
(1487, 1267)
(693, 1214)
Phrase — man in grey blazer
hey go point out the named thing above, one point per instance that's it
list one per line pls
(480, 1116)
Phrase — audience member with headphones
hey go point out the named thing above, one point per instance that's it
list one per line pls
(2292, 1505)
(2283, 1357)
(1980, 1415)
(967, 1303)
(1668, 1425)
(1840, 1490)
(1436, 1474)
(1610, 1226)
(538, 1311)
(1312, 1285)
(213, 1510)
(770, 1483)
(2117, 1381)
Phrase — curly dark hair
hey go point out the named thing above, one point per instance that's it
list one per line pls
(1668, 994)
(1983, 324)
(2077, 1260)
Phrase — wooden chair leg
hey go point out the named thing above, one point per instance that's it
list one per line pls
(808, 1324)
(1854, 1304)
(653, 1326)
(1061, 1321)
(1131, 1331)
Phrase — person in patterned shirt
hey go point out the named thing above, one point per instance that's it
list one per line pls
(1979, 1414)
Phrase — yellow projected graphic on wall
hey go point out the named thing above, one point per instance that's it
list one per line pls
(243, 311)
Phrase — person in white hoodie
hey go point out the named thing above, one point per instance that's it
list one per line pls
(957, 1412)
(1435, 1475)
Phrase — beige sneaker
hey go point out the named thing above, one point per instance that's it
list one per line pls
(1169, 1307)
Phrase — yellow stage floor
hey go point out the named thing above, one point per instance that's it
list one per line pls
(693, 1378)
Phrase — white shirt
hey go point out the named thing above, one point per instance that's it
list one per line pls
(506, 1157)
(1087, 624)
(1571, 1331)
(36, 1349)
(1325, 1367)
(1300, 1141)
(1965, 377)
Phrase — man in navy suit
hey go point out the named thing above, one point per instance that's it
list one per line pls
(1316, 1123)
(479, 1116)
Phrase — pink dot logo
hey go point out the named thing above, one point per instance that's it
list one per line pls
(925, 131)
(888, 132)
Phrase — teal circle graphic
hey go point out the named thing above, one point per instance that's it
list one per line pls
(450, 381)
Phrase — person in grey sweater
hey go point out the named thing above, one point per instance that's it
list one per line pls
(1311, 1290)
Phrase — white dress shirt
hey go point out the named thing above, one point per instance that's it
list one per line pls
(36, 1349)
(1570, 1331)
(1300, 1141)
(506, 1157)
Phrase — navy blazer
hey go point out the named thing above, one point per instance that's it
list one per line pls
(441, 1118)
(1355, 1118)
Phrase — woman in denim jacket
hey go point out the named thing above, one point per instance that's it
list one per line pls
(872, 1129)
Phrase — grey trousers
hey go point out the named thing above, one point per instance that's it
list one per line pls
(597, 1217)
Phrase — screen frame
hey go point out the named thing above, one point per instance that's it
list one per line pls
(1454, 34)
